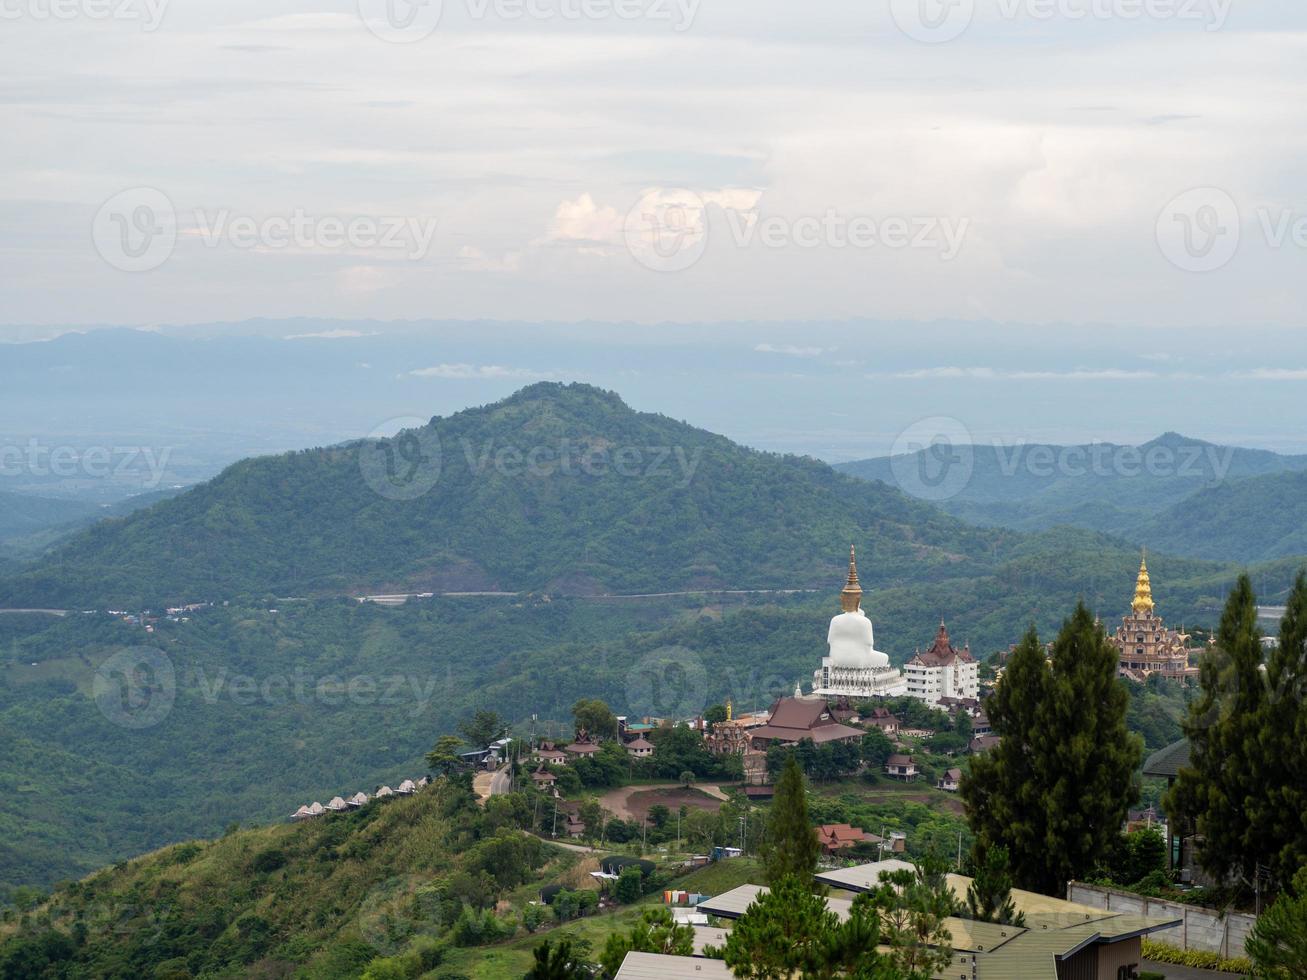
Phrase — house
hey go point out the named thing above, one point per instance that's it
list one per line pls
(641, 748)
(575, 825)
(358, 800)
(550, 755)
(581, 749)
(901, 767)
(543, 778)
(883, 719)
(794, 719)
(384, 792)
(337, 805)
(950, 781)
(983, 743)
(407, 788)
(664, 966)
(980, 725)
(836, 837)
(1182, 838)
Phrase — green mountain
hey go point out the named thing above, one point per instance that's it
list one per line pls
(558, 488)
(1255, 519)
(418, 881)
(266, 703)
(21, 514)
(1101, 487)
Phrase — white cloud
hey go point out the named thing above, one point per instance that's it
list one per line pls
(1272, 374)
(993, 374)
(476, 372)
(331, 335)
(792, 351)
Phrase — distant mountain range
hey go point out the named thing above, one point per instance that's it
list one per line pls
(1164, 494)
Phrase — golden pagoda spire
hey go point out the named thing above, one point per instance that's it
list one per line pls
(851, 596)
(1143, 589)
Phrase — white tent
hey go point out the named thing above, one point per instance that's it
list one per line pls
(358, 800)
(384, 792)
(407, 788)
(337, 805)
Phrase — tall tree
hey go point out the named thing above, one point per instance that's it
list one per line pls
(1284, 741)
(1278, 944)
(594, 718)
(1002, 793)
(482, 728)
(792, 846)
(1223, 793)
(655, 932)
(563, 960)
(443, 759)
(1057, 787)
(783, 934)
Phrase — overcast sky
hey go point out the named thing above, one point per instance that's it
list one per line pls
(1061, 161)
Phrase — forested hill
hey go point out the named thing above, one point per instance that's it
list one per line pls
(1101, 487)
(1257, 519)
(558, 488)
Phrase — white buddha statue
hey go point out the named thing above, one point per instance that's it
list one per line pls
(854, 665)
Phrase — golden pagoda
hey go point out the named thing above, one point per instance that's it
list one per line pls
(1143, 642)
(851, 595)
(1143, 589)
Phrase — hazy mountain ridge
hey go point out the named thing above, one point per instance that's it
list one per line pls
(515, 506)
(1122, 490)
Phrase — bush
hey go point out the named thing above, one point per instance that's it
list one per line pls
(1200, 959)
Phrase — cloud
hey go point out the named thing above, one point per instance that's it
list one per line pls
(792, 351)
(1272, 374)
(366, 279)
(332, 335)
(476, 372)
(993, 374)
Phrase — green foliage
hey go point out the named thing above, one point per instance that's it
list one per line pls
(630, 885)
(1231, 789)
(1283, 741)
(1199, 959)
(1134, 857)
(989, 896)
(1278, 944)
(792, 847)
(382, 889)
(563, 960)
(782, 934)
(1057, 787)
(594, 718)
(443, 759)
(655, 932)
(482, 728)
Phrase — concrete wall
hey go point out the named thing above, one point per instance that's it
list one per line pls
(1200, 928)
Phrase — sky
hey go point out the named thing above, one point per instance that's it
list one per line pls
(1038, 162)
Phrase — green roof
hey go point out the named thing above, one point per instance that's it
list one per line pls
(1168, 761)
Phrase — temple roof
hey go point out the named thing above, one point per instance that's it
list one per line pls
(942, 652)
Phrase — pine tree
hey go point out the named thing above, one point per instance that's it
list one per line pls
(1002, 795)
(1056, 789)
(1223, 793)
(1090, 758)
(989, 896)
(1284, 741)
(791, 843)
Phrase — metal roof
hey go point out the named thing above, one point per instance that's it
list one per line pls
(1168, 761)
(734, 903)
(659, 966)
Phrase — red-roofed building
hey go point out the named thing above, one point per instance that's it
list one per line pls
(795, 719)
(943, 671)
(836, 837)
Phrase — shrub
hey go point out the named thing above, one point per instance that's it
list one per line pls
(1200, 959)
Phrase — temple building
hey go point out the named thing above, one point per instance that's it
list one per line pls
(1143, 642)
(854, 667)
(943, 671)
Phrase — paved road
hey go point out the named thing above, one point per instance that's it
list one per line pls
(502, 781)
(39, 612)
(578, 848)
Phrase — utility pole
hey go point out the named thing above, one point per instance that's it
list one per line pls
(959, 864)
(554, 832)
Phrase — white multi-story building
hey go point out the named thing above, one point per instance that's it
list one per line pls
(943, 671)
